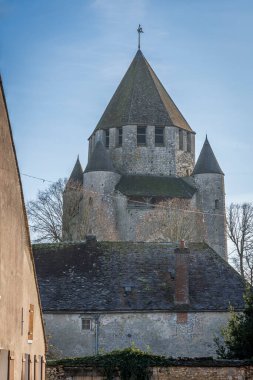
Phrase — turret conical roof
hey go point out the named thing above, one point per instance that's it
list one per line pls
(141, 99)
(99, 160)
(207, 162)
(77, 174)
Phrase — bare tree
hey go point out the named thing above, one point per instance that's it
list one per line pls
(172, 220)
(85, 213)
(240, 232)
(45, 213)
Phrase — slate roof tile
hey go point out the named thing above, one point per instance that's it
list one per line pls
(84, 277)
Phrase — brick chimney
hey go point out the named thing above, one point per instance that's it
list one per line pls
(182, 275)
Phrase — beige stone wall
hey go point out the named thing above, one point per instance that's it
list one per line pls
(169, 373)
(17, 277)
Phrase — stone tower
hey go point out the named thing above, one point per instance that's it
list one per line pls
(210, 198)
(142, 152)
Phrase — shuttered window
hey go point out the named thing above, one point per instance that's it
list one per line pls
(4, 360)
(30, 327)
(11, 366)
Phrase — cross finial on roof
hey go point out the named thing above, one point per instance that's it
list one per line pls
(139, 30)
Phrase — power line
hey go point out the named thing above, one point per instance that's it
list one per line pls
(157, 206)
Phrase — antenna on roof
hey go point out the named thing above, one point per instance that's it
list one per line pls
(139, 30)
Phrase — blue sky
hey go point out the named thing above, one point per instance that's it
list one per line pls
(61, 61)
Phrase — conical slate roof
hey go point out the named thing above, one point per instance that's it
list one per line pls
(207, 162)
(77, 174)
(99, 160)
(141, 99)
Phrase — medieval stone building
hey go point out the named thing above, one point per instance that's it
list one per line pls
(142, 153)
(22, 339)
(100, 295)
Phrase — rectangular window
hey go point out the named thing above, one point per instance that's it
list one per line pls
(86, 324)
(119, 136)
(30, 327)
(216, 204)
(107, 138)
(181, 141)
(189, 142)
(159, 139)
(141, 136)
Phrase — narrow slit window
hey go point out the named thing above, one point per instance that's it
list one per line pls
(189, 142)
(119, 136)
(141, 136)
(107, 138)
(181, 142)
(217, 204)
(86, 324)
(159, 136)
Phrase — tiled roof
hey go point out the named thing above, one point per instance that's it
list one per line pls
(141, 99)
(96, 276)
(207, 162)
(77, 174)
(144, 185)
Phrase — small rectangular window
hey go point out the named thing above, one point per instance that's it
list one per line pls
(107, 138)
(217, 205)
(119, 136)
(141, 136)
(86, 324)
(181, 142)
(159, 139)
(189, 142)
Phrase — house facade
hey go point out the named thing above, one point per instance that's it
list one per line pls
(22, 338)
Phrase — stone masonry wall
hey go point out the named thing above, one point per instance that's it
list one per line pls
(211, 189)
(149, 159)
(170, 334)
(239, 371)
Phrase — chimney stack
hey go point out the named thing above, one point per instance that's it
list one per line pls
(182, 274)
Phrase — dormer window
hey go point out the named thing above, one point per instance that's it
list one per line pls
(107, 138)
(119, 136)
(141, 136)
(159, 136)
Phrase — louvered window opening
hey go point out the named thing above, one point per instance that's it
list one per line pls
(181, 141)
(141, 136)
(189, 142)
(159, 136)
(119, 136)
(107, 138)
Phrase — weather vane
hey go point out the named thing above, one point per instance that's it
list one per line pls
(139, 30)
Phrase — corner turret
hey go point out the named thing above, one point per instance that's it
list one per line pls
(210, 198)
(72, 196)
